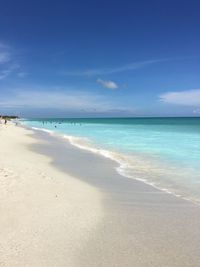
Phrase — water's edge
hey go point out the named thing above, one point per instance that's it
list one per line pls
(123, 165)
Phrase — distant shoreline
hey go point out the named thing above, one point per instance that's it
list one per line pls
(8, 117)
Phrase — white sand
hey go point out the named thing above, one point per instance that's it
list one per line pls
(46, 215)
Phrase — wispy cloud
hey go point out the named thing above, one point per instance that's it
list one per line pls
(4, 57)
(7, 62)
(196, 111)
(107, 84)
(64, 100)
(186, 98)
(105, 71)
(8, 70)
(22, 74)
(4, 73)
(5, 54)
(53, 98)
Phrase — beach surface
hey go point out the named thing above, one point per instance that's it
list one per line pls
(64, 206)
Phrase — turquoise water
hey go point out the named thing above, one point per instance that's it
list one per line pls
(162, 151)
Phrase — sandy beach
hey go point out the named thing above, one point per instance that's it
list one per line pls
(63, 206)
(46, 215)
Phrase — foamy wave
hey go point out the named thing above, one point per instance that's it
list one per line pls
(43, 129)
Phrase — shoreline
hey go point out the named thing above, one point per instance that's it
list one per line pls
(118, 221)
(122, 167)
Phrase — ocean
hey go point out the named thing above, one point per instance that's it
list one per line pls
(163, 152)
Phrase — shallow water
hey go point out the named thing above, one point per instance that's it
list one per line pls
(164, 152)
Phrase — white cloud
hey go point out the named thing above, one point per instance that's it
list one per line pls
(186, 98)
(108, 84)
(104, 71)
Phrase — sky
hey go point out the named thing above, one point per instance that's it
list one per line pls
(95, 58)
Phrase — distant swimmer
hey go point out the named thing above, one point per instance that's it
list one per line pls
(55, 126)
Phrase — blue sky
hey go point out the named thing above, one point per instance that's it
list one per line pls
(100, 58)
